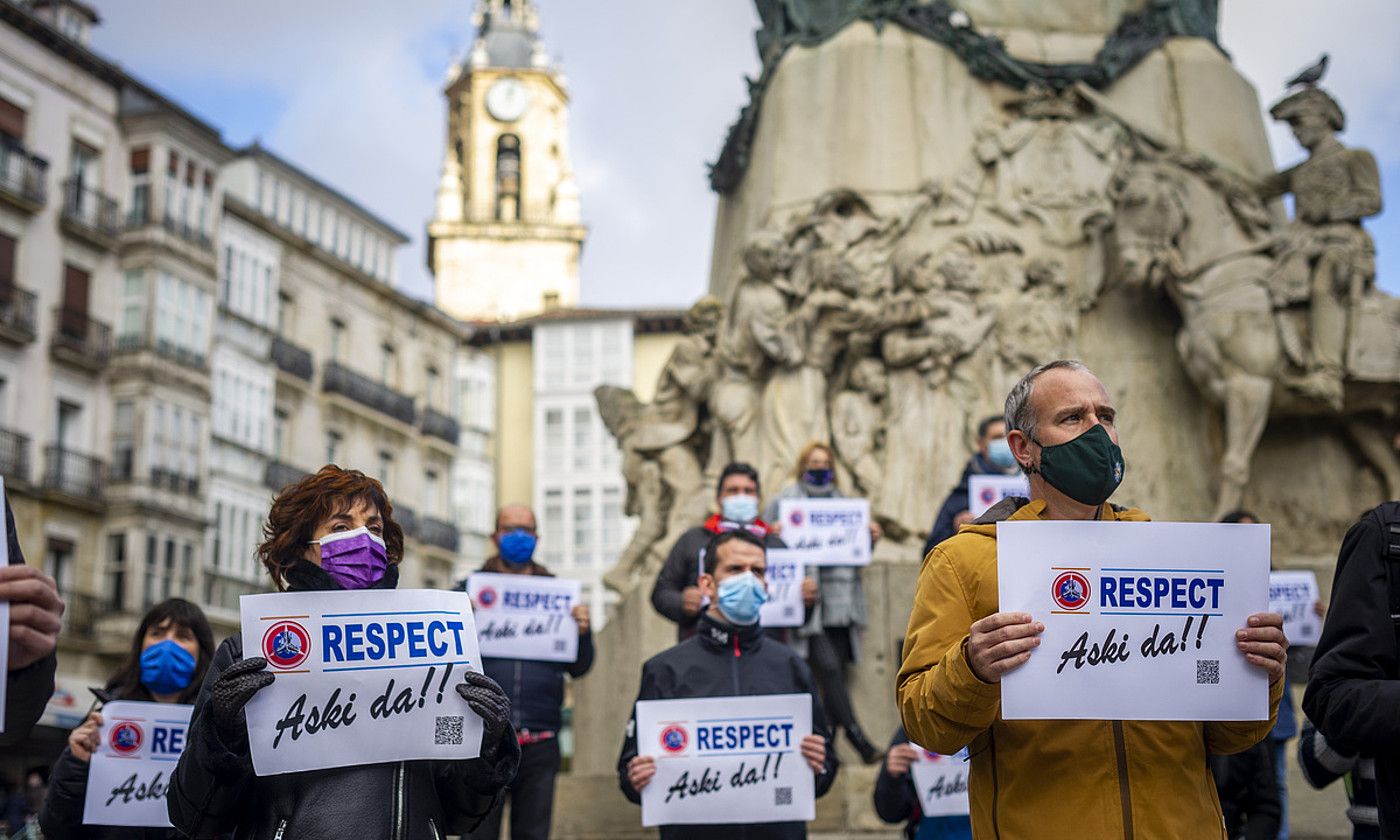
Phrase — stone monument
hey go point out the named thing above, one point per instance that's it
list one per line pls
(924, 199)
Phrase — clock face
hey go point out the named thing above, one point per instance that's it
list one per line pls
(507, 99)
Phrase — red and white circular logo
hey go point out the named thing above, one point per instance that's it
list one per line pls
(286, 644)
(988, 496)
(795, 517)
(126, 737)
(1071, 591)
(674, 739)
(486, 598)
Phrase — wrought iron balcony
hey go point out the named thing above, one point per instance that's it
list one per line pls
(17, 314)
(338, 379)
(292, 359)
(73, 472)
(223, 589)
(165, 349)
(188, 232)
(186, 485)
(91, 214)
(22, 175)
(440, 425)
(407, 519)
(279, 475)
(439, 533)
(80, 339)
(14, 456)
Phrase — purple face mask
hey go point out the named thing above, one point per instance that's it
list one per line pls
(354, 559)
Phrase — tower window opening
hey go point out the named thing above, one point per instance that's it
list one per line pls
(508, 178)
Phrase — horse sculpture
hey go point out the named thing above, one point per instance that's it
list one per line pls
(1202, 235)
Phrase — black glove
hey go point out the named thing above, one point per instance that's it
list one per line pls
(491, 704)
(231, 692)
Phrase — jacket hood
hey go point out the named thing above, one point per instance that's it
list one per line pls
(1016, 509)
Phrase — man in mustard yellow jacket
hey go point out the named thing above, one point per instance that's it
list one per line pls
(1070, 779)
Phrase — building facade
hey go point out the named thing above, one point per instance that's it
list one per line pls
(550, 449)
(185, 328)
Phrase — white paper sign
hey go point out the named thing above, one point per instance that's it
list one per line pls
(983, 491)
(1140, 619)
(1294, 595)
(361, 678)
(130, 772)
(525, 616)
(727, 760)
(784, 576)
(827, 532)
(941, 781)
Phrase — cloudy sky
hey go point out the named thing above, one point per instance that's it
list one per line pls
(351, 91)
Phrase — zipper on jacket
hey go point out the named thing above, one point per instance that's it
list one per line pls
(281, 830)
(996, 784)
(432, 827)
(734, 663)
(397, 833)
(1125, 794)
(515, 712)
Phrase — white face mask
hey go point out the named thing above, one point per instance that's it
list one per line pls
(336, 536)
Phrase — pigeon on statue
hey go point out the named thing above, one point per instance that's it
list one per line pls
(1312, 75)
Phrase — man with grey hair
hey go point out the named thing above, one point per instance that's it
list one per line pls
(1071, 778)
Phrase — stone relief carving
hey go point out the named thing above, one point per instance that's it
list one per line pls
(888, 332)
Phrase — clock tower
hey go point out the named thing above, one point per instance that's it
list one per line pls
(505, 238)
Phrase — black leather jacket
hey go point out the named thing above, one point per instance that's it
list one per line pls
(214, 790)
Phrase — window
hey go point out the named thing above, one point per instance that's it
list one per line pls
(286, 314)
(187, 571)
(508, 177)
(553, 435)
(83, 167)
(332, 447)
(279, 433)
(583, 520)
(116, 571)
(123, 440)
(216, 550)
(58, 563)
(67, 426)
(432, 491)
(612, 520)
(148, 581)
(388, 365)
(583, 438)
(386, 469)
(131, 331)
(431, 386)
(140, 185)
(12, 120)
(168, 573)
(337, 338)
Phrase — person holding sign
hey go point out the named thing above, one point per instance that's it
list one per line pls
(35, 610)
(831, 636)
(334, 530)
(993, 457)
(897, 797)
(676, 594)
(169, 655)
(729, 656)
(535, 689)
(1057, 778)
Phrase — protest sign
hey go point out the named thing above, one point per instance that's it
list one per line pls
(983, 491)
(525, 616)
(139, 744)
(784, 577)
(1294, 596)
(1140, 619)
(727, 760)
(827, 532)
(361, 678)
(941, 781)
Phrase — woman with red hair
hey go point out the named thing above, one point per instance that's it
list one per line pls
(334, 530)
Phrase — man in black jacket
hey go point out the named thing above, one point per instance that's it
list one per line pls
(36, 613)
(676, 594)
(993, 457)
(535, 689)
(1353, 693)
(728, 657)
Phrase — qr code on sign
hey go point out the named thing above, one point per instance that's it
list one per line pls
(559, 645)
(782, 796)
(449, 730)
(1207, 672)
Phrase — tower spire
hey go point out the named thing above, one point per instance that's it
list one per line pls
(507, 35)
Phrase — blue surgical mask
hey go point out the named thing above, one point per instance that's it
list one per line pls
(166, 667)
(742, 508)
(517, 546)
(999, 453)
(741, 596)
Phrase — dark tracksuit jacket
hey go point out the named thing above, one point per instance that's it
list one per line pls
(1353, 693)
(722, 661)
(682, 568)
